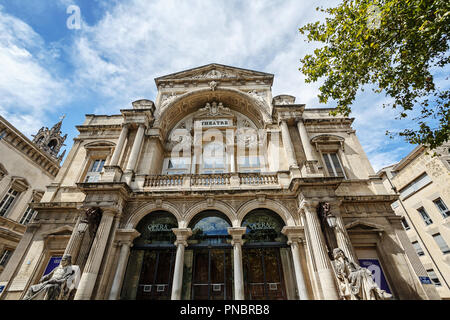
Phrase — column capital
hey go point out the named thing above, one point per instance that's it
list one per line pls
(126, 236)
(237, 233)
(309, 204)
(294, 234)
(182, 235)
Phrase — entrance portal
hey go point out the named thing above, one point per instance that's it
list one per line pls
(263, 273)
(212, 274)
(149, 273)
(263, 266)
(209, 258)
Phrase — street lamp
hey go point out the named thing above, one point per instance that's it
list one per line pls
(331, 219)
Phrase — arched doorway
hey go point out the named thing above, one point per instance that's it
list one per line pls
(265, 256)
(209, 258)
(149, 273)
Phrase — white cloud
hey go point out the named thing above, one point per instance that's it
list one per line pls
(28, 91)
(137, 41)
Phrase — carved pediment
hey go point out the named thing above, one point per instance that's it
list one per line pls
(213, 72)
(214, 109)
(363, 226)
(61, 231)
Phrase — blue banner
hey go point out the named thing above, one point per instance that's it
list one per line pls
(52, 264)
(373, 265)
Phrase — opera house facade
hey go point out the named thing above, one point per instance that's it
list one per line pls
(218, 191)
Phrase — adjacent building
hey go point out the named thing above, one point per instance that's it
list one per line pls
(216, 190)
(422, 180)
(26, 169)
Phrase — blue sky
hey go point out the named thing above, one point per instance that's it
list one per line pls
(47, 70)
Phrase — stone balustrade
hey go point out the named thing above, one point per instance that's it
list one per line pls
(218, 181)
(258, 179)
(164, 181)
(206, 180)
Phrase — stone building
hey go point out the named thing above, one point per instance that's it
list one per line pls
(26, 168)
(423, 184)
(215, 191)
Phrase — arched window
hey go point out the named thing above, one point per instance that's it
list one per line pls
(210, 227)
(264, 225)
(156, 228)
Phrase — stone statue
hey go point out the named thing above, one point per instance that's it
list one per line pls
(58, 284)
(355, 282)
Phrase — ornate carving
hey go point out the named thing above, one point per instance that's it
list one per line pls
(355, 282)
(214, 74)
(214, 109)
(213, 85)
(167, 98)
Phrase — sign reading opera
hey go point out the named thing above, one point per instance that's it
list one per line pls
(218, 191)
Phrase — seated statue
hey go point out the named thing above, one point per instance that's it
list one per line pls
(58, 284)
(355, 282)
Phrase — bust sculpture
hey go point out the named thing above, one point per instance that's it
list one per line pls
(355, 282)
(58, 284)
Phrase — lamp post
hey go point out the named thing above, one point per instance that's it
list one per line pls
(331, 220)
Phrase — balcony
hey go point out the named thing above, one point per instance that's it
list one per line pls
(193, 182)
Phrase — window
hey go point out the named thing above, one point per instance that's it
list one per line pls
(178, 165)
(93, 174)
(28, 216)
(249, 164)
(5, 257)
(405, 224)
(434, 277)
(442, 207)
(333, 165)
(418, 248)
(441, 243)
(214, 160)
(426, 218)
(7, 201)
(414, 186)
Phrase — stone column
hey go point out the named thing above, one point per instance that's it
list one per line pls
(121, 265)
(323, 264)
(119, 146)
(181, 243)
(237, 242)
(74, 245)
(131, 165)
(295, 236)
(288, 146)
(305, 141)
(342, 238)
(91, 269)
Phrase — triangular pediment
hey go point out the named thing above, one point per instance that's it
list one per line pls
(359, 225)
(212, 72)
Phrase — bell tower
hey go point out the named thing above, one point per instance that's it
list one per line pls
(51, 141)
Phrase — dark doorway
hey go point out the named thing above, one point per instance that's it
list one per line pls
(263, 274)
(212, 274)
(155, 281)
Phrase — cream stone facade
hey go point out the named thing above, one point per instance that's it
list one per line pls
(423, 183)
(216, 191)
(25, 171)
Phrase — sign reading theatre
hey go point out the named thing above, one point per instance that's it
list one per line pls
(214, 123)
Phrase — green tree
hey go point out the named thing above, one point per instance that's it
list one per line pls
(394, 46)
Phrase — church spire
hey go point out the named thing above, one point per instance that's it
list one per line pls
(51, 141)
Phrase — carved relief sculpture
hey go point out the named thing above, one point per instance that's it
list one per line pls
(355, 282)
(58, 284)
